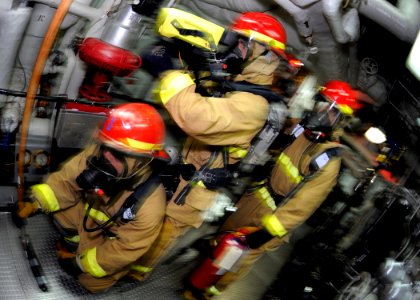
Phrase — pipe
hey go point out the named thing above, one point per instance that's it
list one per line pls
(299, 15)
(38, 25)
(345, 28)
(66, 75)
(403, 21)
(78, 9)
(12, 24)
(33, 87)
(225, 12)
(303, 3)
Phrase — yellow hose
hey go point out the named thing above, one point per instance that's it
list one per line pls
(33, 87)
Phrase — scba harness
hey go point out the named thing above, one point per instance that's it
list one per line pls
(235, 178)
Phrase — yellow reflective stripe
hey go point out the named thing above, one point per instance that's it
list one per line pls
(141, 269)
(263, 38)
(73, 239)
(265, 196)
(345, 109)
(273, 225)
(46, 197)
(201, 184)
(237, 152)
(213, 290)
(284, 162)
(90, 264)
(171, 84)
(97, 215)
(143, 145)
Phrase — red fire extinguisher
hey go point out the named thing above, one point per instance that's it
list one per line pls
(231, 247)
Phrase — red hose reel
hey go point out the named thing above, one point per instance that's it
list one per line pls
(105, 61)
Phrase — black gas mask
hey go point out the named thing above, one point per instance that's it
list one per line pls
(321, 121)
(226, 64)
(101, 176)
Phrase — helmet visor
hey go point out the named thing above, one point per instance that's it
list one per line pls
(326, 113)
(116, 164)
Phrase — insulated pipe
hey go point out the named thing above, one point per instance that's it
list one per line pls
(38, 25)
(299, 16)
(303, 3)
(225, 12)
(33, 87)
(403, 21)
(12, 24)
(344, 28)
(77, 8)
(71, 63)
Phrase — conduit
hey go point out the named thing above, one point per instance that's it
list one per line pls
(33, 87)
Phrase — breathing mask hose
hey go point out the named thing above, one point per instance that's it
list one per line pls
(100, 226)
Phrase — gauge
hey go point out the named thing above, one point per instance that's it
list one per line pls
(28, 157)
(41, 159)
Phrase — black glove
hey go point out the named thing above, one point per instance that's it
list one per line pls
(70, 266)
(157, 60)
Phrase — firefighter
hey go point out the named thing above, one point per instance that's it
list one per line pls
(219, 129)
(302, 175)
(106, 201)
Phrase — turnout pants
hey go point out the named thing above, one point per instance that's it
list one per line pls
(71, 220)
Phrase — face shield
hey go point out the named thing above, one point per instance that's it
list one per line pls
(110, 170)
(322, 120)
(117, 164)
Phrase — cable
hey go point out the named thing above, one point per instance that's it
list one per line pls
(61, 98)
(358, 291)
(38, 97)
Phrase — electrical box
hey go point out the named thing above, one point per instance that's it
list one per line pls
(75, 128)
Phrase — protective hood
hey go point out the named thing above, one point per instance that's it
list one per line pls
(260, 67)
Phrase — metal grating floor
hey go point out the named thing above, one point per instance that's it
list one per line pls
(17, 281)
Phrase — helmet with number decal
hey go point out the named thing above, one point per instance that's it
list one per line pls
(135, 129)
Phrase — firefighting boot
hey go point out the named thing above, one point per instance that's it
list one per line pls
(138, 273)
(197, 295)
(68, 242)
(63, 252)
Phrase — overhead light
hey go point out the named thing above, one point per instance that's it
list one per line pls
(375, 135)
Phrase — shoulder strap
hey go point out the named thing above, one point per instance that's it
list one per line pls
(242, 86)
(133, 203)
(315, 165)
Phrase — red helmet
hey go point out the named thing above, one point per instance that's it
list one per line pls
(135, 129)
(343, 95)
(263, 28)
